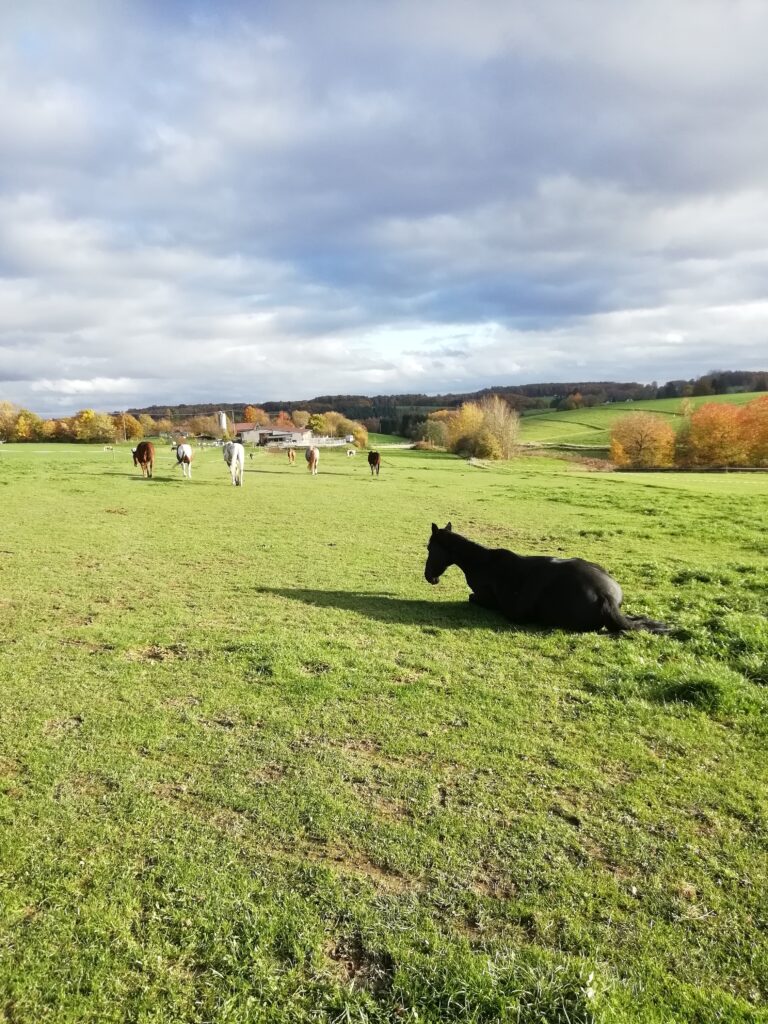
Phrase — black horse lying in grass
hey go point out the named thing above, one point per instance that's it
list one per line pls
(556, 593)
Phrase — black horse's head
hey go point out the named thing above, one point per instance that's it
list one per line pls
(438, 556)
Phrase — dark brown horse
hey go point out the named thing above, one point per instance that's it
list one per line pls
(374, 461)
(144, 456)
(536, 590)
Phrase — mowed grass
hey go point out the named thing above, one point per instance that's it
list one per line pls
(254, 769)
(593, 426)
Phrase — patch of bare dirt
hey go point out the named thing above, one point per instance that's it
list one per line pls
(360, 745)
(154, 654)
(170, 790)
(360, 966)
(408, 677)
(62, 726)
(268, 774)
(83, 784)
(86, 645)
(221, 721)
(490, 880)
(181, 703)
(9, 769)
(316, 668)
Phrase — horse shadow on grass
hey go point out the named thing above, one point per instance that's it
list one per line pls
(387, 607)
(140, 479)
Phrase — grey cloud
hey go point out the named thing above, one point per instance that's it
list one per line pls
(194, 202)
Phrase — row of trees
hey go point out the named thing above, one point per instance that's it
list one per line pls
(17, 424)
(87, 425)
(714, 435)
(486, 429)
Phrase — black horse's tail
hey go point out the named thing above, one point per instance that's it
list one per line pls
(617, 622)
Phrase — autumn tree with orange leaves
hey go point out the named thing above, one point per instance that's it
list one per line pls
(642, 441)
(713, 437)
(754, 431)
(283, 421)
(253, 414)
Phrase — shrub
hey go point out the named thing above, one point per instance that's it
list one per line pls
(487, 429)
(487, 446)
(435, 433)
(502, 422)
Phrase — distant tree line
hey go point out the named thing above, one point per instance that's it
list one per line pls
(89, 426)
(405, 414)
(86, 426)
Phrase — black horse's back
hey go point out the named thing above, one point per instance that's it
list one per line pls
(538, 590)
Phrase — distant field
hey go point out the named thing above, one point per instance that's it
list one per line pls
(379, 440)
(254, 770)
(593, 426)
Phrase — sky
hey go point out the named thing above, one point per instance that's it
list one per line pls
(225, 202)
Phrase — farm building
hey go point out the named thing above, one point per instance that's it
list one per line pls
(249, 433)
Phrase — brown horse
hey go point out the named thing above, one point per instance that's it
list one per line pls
(374, 461)
(313, 458)
(291, 456)
(144, 456)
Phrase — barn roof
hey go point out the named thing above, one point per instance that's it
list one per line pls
(241, 428)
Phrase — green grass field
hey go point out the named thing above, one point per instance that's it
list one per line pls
(593, 426)
(254, 769)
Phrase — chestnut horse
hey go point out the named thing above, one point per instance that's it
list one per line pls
(291, 456)
(374, 461)
(144, 456)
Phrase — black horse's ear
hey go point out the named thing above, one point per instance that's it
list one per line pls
(434, 527)
(448, 527)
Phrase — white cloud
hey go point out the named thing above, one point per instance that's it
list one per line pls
(97, 386)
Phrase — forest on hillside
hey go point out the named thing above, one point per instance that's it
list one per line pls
(399, 414)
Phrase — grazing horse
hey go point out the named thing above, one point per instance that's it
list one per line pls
(234, 456)
(291, 456)
(184, 459)
(144, 456)
(536, 590)
(312, 456)
(374, 461)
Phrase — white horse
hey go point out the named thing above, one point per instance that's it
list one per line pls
(234, 456)
(184, 459)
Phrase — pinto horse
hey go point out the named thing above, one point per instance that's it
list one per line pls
(374, 461)
(312, 455)
(536, 590)
(234, 456)
(184, 459)
(144, 456)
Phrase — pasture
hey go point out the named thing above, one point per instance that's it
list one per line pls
(253, 768)
(593, 426)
